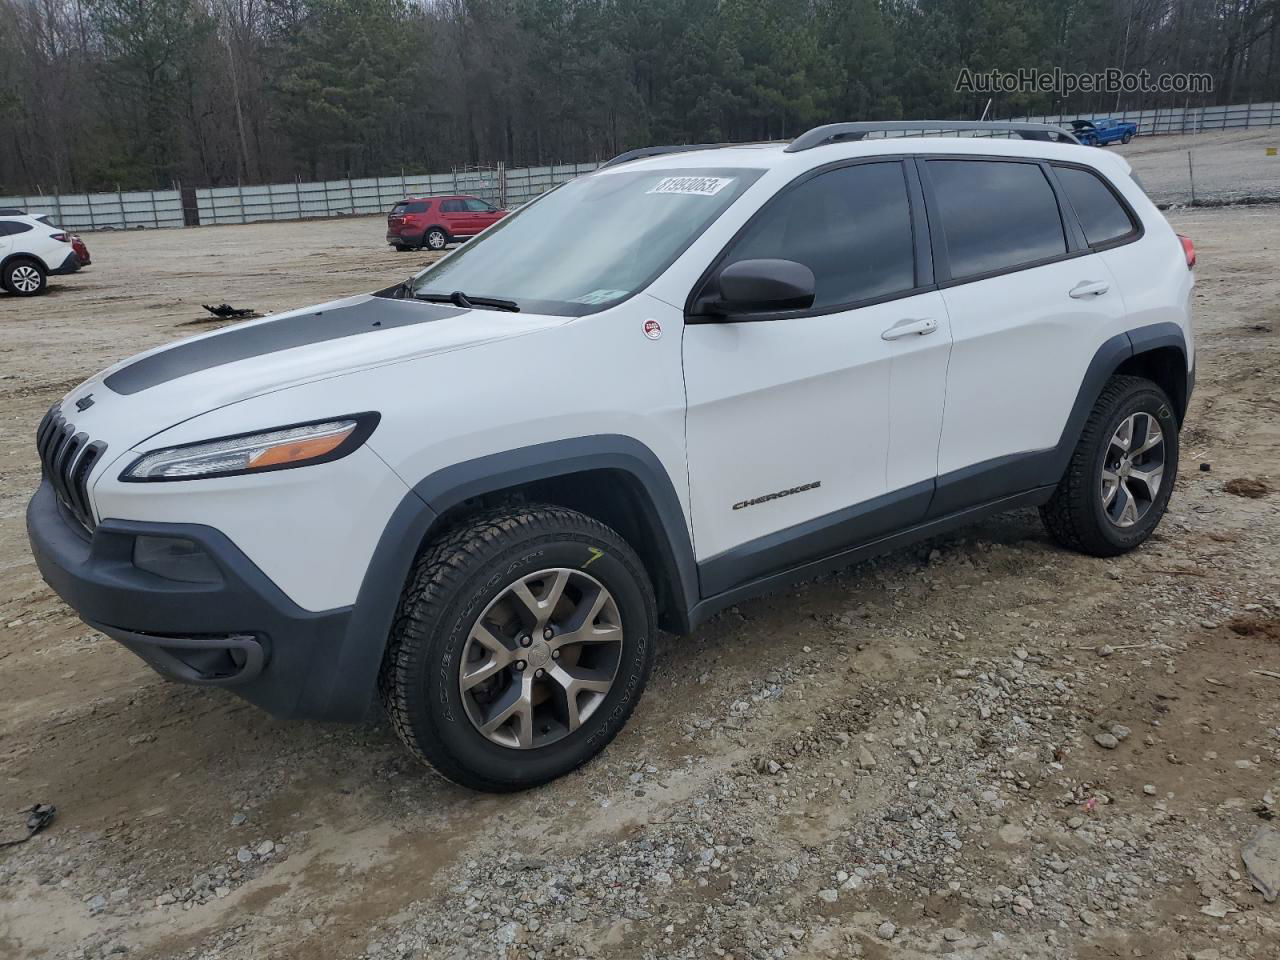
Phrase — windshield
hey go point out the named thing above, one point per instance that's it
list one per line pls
(591, 243)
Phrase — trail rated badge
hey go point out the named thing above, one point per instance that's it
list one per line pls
(652, 329)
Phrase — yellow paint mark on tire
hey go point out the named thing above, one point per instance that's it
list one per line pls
(596, 554)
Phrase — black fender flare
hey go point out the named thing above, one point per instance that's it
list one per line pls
(451, 486)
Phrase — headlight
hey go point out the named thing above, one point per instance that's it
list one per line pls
(280, 449)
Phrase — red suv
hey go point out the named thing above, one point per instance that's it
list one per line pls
(432, 222)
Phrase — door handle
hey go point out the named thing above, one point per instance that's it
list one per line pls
(908, 326)
(1089, 288)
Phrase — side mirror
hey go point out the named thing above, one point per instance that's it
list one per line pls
(763, 286)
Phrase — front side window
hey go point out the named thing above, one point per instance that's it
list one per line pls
(996, 215)
(851, 226)
(478, 206)
(590, 243)
(1098, 209)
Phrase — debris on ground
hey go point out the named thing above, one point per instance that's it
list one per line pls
(1250, 625)
(1249, 487)
(39, 816)
(224, 311)
(1261, 857)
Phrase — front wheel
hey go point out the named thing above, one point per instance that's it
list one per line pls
(24, 277)
(524, 638)
(1120, 477)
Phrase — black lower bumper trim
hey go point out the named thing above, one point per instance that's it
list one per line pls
(222, 661)
(241, 632)
(70, 265)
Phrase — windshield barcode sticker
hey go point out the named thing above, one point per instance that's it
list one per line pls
(599, 296)
(697, 186)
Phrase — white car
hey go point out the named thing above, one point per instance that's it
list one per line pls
(481, 492)
(30, 250)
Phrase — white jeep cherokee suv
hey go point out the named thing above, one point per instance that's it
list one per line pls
(481, 492)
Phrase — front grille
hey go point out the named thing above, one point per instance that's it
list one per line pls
(67, 458)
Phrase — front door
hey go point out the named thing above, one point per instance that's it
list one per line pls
(818, 430)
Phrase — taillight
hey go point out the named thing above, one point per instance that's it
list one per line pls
(1189, 249)
(60, 237)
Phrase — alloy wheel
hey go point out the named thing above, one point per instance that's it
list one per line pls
(541, 658)
(436, 240)
(25, 278)
(1132, 469)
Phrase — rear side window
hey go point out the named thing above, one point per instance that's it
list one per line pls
(1099, 210)
(996, 215)
(850, 226)
(418, 206)
(9, 228)
(451, 206)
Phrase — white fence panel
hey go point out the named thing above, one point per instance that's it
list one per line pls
(332, 198)
(105, 211)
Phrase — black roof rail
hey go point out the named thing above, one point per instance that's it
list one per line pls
(838, 132)
(641, 153)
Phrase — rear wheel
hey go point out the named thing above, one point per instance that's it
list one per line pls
(523, 641)
(24, 277)
(1126, 138)
(1120, 477)
(435, 239)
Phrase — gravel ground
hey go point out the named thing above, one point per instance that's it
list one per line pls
(1229, 166)
(984, 746)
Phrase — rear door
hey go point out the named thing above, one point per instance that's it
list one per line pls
(454, 216)
(818, 429)
(1030, 304)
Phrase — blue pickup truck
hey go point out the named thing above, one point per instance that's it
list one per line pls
(1099, 133)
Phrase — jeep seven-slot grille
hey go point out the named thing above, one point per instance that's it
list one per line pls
(67, 458)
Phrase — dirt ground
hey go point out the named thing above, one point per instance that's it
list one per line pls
(1227, 166)
(896, 761)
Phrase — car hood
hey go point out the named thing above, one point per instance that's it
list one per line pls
(161, 388)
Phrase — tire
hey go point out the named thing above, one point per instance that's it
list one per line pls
(24, 277)
(1107, 514)
(400, 248)
(1126, 138)
(464, 584)
(435, 239)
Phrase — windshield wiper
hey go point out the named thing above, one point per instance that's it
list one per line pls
(460, 299)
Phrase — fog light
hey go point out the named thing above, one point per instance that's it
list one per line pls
(175, 558)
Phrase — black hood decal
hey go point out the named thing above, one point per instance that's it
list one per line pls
(256, 339)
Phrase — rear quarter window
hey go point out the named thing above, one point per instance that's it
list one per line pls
(996, 215)
(1100, 212)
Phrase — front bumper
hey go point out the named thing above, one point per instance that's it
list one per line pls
(241, 632)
